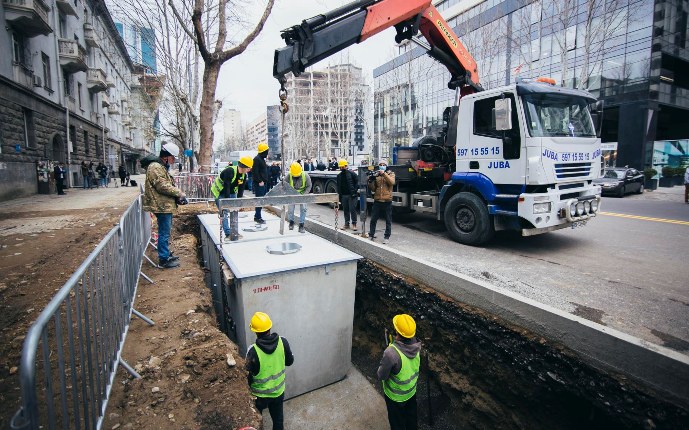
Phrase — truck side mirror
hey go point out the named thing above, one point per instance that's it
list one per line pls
(502, 114)
(597, 116)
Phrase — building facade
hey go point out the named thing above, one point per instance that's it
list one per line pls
(232, 124)
(65, 93)
(629, 53)
(326, 115)
(141, 45)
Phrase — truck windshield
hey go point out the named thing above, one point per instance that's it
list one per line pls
(558, 115)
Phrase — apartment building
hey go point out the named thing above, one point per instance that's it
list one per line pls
(68, 93)
(327, 112)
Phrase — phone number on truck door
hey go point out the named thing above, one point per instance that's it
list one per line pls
(477, 152)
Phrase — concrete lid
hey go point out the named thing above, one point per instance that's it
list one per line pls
(249, 257)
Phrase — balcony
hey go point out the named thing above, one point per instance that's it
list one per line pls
(113, 109)
(126, 120)
(90, 36)
(105, 100)
(72, 56)
(66, 7)
(110, 83)
(96, 80)
(30, 17)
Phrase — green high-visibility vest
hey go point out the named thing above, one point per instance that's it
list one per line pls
(219, 184)
(303, 183)
(270, 381)
(401, 387)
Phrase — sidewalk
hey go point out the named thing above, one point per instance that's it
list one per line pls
(675, 193)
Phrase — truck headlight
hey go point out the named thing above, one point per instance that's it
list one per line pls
(541, 208)
(587, 207)
(594, 206)
(573, 209)
(580, 208)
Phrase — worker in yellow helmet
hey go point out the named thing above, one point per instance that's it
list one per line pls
(301, 182)
(229, 184)
(399, 372)
(261, 177)
(347, 187)
(265, 361)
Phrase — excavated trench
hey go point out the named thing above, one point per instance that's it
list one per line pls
(480, 372)
(485, 374)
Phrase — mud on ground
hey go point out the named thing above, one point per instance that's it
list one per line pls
(183, 360)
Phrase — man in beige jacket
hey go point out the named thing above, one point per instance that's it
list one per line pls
(381, 184)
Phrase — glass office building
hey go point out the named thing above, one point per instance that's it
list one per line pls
(632, 54)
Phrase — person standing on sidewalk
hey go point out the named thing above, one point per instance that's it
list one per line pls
(301, 182)
(261, 176)
(686, 185)
(399, 372)
(381, 185)
(265, 362)
(347, 186)
(161, 198)
(60, 173)
(85, 174)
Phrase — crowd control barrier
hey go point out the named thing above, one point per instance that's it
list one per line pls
(196, 186)
(71, 352)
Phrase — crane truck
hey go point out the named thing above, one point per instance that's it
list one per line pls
(519, 157)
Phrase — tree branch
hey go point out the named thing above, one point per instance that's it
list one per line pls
(233, 52)
(181, 22)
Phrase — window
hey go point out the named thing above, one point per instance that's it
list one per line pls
(79, 95)
(18, 48)
(29, 129)
(47, 79)
(95, 142)
(484, 126)
(73, 136)
(558, 115)
(69, 84)
(63, 25)
(86, 142)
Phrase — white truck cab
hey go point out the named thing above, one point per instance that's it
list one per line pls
(528, 154)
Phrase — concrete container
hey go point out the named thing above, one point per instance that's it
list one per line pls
(309, 296)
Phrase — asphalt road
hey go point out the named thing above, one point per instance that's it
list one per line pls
(627, 269)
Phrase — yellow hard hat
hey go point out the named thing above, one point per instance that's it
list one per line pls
(260, 322)
(405, 325)
(247, 161)
(295, 169)
(262, 147)
(342, 163)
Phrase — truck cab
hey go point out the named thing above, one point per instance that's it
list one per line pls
(529, 152)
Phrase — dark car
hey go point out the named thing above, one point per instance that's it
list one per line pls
(618, 181)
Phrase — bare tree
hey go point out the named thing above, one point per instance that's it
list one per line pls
(208, 28)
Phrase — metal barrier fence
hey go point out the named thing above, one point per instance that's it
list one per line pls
(196, 186)
(71, 352)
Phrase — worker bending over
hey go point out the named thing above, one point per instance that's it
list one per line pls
(399, 371)
(266, 361)
(301, 182)
(229, 184)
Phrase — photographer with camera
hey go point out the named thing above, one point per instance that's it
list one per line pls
(161, 198)
(380, 183)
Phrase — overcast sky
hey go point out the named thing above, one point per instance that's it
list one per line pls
(246, 82)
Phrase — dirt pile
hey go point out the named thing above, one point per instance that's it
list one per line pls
(486, 374)
(183, 360)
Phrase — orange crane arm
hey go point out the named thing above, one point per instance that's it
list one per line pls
(326, 34)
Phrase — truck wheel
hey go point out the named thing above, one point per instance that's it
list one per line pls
(467, 219)
(331, 187)
(317, 187)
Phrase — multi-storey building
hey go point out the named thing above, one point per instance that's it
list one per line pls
(632, 54)
(65, 93)
(232, 124)
(140, 43)
(256, 131)
(326, 112)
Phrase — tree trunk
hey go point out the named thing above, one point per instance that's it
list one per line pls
(211, 71)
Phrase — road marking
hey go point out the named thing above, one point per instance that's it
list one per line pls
(646, 218)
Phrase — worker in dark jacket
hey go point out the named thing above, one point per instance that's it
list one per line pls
(265, 362)
(261, 177)
(347, 186)
(60, 175)
(399, 372)
(229, 184)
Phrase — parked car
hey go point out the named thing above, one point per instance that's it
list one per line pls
(618, 181)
